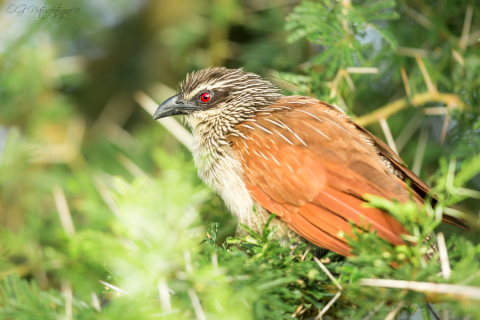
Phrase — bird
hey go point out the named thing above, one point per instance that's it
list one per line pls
(295, 156)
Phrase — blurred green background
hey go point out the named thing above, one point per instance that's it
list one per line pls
(72, 124)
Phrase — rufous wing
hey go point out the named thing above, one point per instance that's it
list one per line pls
(307, 163)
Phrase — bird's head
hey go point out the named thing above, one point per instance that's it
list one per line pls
(218, 90)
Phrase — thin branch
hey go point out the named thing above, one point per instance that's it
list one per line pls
(408, 131)
(196, 304)
(417, 17)
(363, 70)
(442, 250)
(322, 266)
(443, 134)
(175, 128)
(105, 194)
(95, 302)
(67, 293)
(131, 166)
(334, 83)
(114, 288)
(422, 143)
(473, 38)
(431, 87)
(412, 52)
(408, 91)
(435, 111)
(214, 259)
(439, 288)
(329, 304)
(63, 211)
(416, 101)
(188, 261)
(391, 315)
(458, 57)
(304, 255)
(350, 82)
(388, 135)
(164, 296)
(466, 27)
(445, 315)
(297, 311)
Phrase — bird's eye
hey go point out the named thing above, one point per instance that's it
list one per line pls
(205, 97)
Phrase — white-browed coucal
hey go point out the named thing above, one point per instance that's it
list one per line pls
(294, 156)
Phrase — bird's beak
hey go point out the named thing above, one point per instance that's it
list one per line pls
(173, 106)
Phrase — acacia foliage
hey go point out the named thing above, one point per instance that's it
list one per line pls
(147, 232)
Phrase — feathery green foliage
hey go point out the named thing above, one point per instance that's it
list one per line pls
(92, 190)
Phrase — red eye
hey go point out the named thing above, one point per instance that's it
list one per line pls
(205, 97)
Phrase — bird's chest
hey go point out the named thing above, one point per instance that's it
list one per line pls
(219, 168)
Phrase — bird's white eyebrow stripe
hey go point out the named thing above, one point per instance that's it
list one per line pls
(285, 138)
(314, 116)
(323, 134)
(264, 129)
(249, 127)
(295, 102)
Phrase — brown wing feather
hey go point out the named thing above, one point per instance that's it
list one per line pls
(311, 167)
(417, 184)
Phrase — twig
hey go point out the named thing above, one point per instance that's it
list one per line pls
(418, 17)
(408, 131)
(188, 261)
(350, 82)
(442, 250)
(391, 315)
(304, 255)
(329, 304)
(422, 143)
(440, 288)
(412, 52)
(104, 193)
(164, 296)
(443, 134)
(435, 111)
(445, 315)
(175, 128)
(473, 38)
(114, 288)
(131, 166)
(214, 260)
(468, 192)
(458, 57)
(466, 27)
(431, 88)
(297, 311)
(63, 211)
(408, 91)
(67, 293)
(334, 83)
(196, 304)
(432, 311)
(363, 70)
(322, 266)
(388, 135)
(96, 302)
(400, 104)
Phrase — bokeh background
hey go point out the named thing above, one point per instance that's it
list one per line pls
(74, 123)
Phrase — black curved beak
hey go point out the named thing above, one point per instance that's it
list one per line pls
(173, 106)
